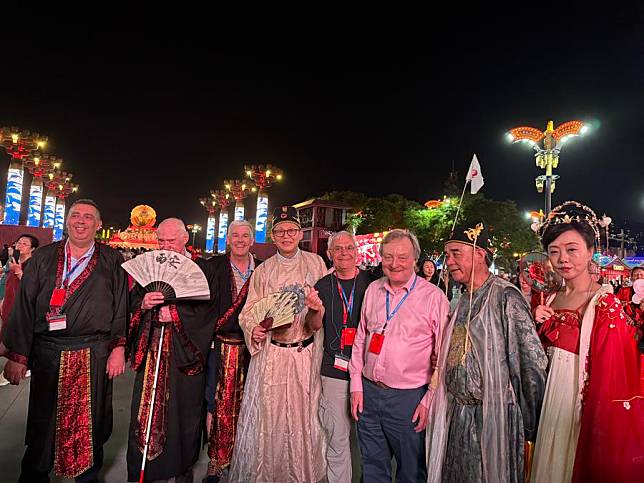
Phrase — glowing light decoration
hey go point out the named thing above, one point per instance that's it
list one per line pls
(239, 210)
(49, 211)
(547, 146)
(15, 177)
(35, 203)
(263, 177)
(261, 217)
(223, 228)
(210, 234)
(222, 199)
(59, 220)
(21, 146)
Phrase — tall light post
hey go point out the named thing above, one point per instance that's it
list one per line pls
(194, 229)
(263, 176)
(211, 207)
(21, 146)
(547, 156)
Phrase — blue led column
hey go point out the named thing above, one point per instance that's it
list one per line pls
(210, 233)
(260, 217)
(35, 202)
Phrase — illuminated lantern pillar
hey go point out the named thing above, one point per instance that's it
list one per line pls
(210, 233)
(59, 219)
(239, 210)
(210, 206)
(21, 146)
(13, 199)
(261, 217)
(35, 202)
(263, 176)
(222, 198)
(239, 190)
(222, 231)
(50, 210)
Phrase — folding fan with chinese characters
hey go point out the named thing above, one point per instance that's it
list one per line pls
(538, 271)
(177, 277)
(279, 309)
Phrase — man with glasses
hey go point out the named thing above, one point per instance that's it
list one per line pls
(279, 437)
(335, 304)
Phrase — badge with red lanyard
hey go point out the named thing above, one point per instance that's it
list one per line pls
(348, 334)
(377, 339)
(56, 319)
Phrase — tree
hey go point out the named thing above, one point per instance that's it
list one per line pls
(509, 231)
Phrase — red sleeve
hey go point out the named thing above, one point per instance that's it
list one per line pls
(611, 439)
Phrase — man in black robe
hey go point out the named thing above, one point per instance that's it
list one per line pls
(179, 410)
(229, 358)
(68, 327)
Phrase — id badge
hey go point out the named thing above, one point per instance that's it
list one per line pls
(375, 346)
(348, 336)
(57, 297)
(341, 362)
(57, 322)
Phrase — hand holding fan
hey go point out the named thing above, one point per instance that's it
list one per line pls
(537, 270)
(278, 309)
(177, 277)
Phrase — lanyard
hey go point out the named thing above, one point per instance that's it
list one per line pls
(68, 261)
(244, 276)
(347, 304)
(391, 315)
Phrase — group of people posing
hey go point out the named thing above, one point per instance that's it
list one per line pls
(490, 391)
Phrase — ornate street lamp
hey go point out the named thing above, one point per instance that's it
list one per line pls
(547, 156)
(21, 146)
(263, 176)
(194, 229)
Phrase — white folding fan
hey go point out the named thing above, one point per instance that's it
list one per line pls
(171, 273)
(278, 309)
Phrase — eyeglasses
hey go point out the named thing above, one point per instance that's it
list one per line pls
(340, 249)
(281, 233)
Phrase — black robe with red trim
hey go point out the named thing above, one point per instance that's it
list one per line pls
(185, 406)
(97, 314)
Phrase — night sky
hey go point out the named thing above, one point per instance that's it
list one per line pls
(162, 111)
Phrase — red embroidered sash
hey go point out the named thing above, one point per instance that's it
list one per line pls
(228, 398)
(84, 275)
(74, 453)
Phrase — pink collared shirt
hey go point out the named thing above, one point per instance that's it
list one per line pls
(410, 336)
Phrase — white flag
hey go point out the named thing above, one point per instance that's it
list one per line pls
(475, 176)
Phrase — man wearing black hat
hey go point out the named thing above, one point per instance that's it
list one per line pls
(491, 375)
(279, 437)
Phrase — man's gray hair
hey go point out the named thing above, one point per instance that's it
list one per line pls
(178, 222)
(333, 238)
(399, 234)
(235, 223)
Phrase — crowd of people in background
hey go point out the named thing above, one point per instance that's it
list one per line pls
(453, 373)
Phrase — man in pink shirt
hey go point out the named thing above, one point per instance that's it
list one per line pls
(402, 315)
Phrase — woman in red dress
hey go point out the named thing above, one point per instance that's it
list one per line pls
(592, 419)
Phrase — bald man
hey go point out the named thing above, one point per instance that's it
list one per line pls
(179, 406)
